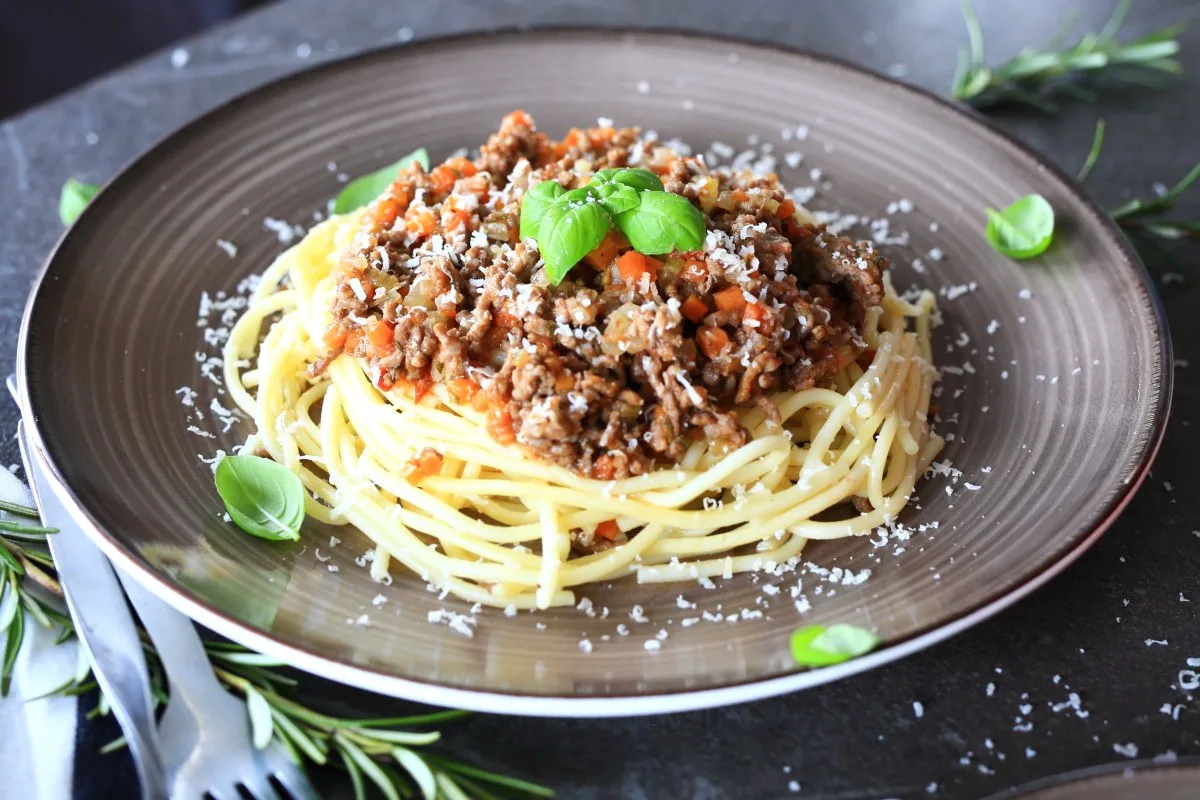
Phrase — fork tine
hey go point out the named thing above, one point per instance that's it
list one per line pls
(228, 793)
(260, 788)
(294, 780)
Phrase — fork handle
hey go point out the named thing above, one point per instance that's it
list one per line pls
(179, 647)
(103, 624)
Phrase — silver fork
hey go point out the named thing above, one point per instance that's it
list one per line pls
(205, 731)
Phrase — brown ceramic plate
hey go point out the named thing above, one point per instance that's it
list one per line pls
(1137, 781)
(1054, 400)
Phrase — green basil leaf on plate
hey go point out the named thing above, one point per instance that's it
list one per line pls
(819, 646)
(74, 197)
(535, 204)
(1024, 229)
(663, 222)
(569, 231)
(263, 498)
(360, 191)
(617, 198)
(641, 179)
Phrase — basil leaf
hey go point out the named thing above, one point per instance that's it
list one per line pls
(75, 196)
(818, 646)
(641, 179)
(584, 194)
(663, 222)
(535, 204)
(617, 198)
(263, 498)
(1024, 229)
(360, 191)
(569, 231)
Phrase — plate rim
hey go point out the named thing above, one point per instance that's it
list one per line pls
(621, 704)
(1098, 772)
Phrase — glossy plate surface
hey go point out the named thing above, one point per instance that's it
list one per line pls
(1057, 383)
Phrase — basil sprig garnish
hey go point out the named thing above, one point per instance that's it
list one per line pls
(663, 222)
(567, 225)
(263, 498)
(569, 231)
(641, 179)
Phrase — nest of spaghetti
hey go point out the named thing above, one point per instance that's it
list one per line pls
(507, 438)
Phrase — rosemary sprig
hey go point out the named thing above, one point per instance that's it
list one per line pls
(1144, 215)
(20, 562)
(388, 753)
(1138, 214)
(1094, 154)
(1036, 77)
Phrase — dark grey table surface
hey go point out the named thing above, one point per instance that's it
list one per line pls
(1082, 673)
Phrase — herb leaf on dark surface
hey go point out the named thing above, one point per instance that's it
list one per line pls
(74, 198)
(1040, 77)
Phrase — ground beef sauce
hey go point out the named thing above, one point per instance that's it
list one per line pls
(604, 374)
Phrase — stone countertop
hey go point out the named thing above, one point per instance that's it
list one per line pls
(1084, 672)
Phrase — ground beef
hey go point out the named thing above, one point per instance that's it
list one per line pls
(601, 377)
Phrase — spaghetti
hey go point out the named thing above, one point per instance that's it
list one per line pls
(493, 524)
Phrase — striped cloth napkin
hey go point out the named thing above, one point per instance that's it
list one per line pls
(37, 746)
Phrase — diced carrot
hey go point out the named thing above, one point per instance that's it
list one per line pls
(564, 381)
(482, 400)
(608, 529)
(517, 118)
(694, 309)
(477, 185)
(633, 265)
(335, 337)
(759, 313)
(713, 341)
(730, 299)
(505, 320)
(500, 424)
(422, 465)
(464, 389)
(352, 339)
(608, 249)
(600, 137)
(695, 271)
(421, 387)
(386, 212)
(441, 180)
(454, 218)
(604, 468)
(421, 223)
(381, 333)
(462, 166)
